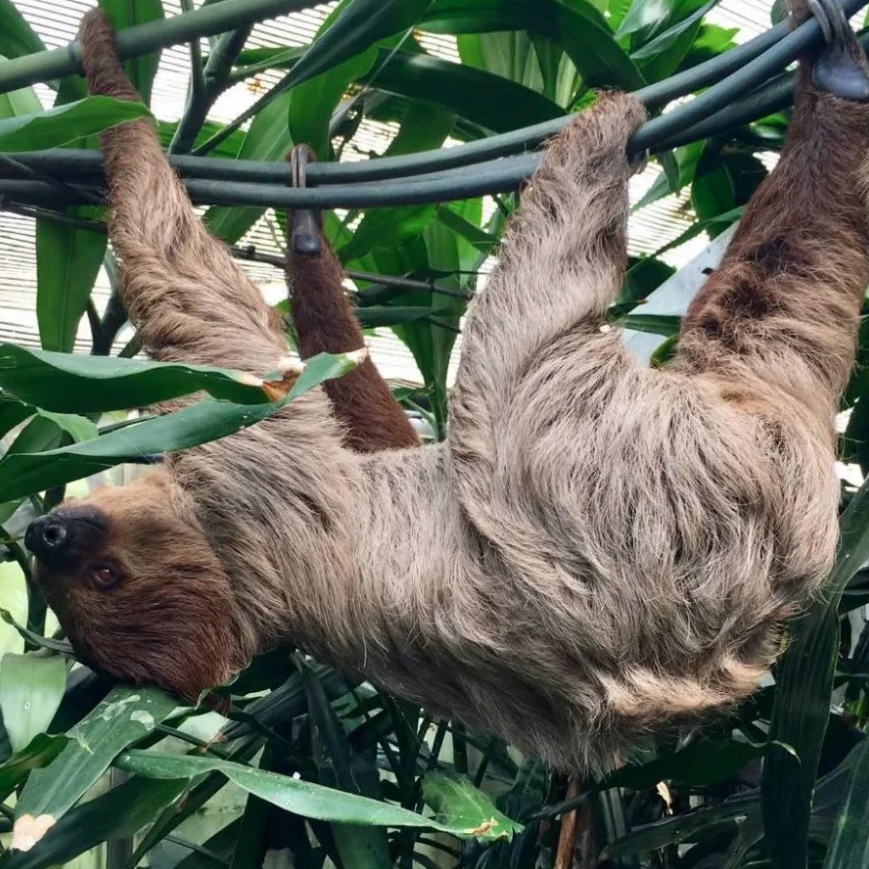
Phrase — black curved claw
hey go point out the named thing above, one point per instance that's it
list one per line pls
(837, 70)
(305, 230)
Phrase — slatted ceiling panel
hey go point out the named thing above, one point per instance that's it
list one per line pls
(56, 21)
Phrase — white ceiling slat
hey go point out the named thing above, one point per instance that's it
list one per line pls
(56, 22)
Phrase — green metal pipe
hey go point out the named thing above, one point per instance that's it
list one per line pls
(146, 38)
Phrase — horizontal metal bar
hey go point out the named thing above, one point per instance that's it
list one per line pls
(747, 63)
(145, 38)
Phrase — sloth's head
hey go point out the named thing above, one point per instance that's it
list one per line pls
(137, 588)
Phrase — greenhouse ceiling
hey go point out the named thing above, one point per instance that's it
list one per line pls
(56, 23)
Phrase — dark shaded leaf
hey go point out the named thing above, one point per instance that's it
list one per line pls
(801, 708)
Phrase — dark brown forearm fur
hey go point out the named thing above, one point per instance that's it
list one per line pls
(325, 323)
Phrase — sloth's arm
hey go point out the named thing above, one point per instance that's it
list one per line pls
(781, 310)
(326, 323)
(180, 286)
(561, 263)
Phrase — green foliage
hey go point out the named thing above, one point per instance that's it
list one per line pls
(346, 773)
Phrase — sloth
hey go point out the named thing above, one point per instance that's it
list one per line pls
(598, 552)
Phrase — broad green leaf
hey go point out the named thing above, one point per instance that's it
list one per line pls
(13, 413)
(458, 803)
(387, 228)
(483, 241)
(63, 124)
(849, 847)
(175, 813)
(645, 14)
(661, 56)
(642, 278)
(204, 421)
(579, 29)
(41, 433)
(339, 766)
(118, 814)
(124, 717)
(510, 55)
(268, 138)
(357, 26)
(40, 752)
(127, 13)
(686, 160)
(293, 795)
(478, 96)
(79, 428)
(804, 680)
(314, 101)
(19, 103)
(31, 688)
(67, 383)
(68, 260)
(17, 37)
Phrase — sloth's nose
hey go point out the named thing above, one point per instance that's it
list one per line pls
(47, 538)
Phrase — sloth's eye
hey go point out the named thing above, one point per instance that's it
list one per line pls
(104, 576)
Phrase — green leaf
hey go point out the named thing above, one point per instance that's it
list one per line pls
(293, 795)
(67, 383)
(849, 847)
(478, 96)
(63, 124)
(657, 324)
(339, 766)
(12, 413)
(353, 29)
(705, 762)
(40, 752)
(124, 717)
(79, 428)
(387, 228)
(579, 29)
(374, 316)
(483, 241)
(511, 55)
(801, 708)
(679, 828)
(314, 101)
(17, 37)
(68, 260)
(458, 803)
(31, 688)
(130, 13)
(268, 138)
(99, 820)
(23, 473)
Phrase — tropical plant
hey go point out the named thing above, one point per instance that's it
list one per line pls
(333, 770)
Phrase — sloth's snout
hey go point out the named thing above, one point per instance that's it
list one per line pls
(47, 537)
(65, 536)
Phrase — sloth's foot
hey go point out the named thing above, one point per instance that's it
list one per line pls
(840, 67)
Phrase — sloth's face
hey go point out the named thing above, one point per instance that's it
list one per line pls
(136, 587)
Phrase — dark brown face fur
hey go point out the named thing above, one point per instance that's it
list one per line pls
(137, 589)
